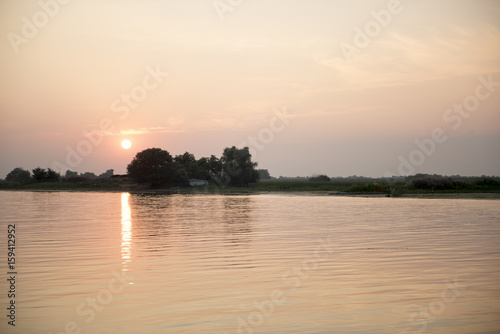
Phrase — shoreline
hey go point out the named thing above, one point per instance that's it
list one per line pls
(211, 190)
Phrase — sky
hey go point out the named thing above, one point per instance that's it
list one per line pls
(341, 88)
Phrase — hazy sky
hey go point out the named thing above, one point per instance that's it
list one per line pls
(322, 86)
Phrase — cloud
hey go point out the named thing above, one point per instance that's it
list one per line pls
(142, 131)
(245, 115)
(398, 59)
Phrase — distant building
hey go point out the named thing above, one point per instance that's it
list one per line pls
(196, 182)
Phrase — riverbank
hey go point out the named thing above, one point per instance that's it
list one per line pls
(353, 188)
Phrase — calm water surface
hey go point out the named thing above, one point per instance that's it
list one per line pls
(127, 263)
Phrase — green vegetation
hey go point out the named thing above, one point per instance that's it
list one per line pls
(18, 175)
(470, 187)
(151, 168)
(238, 170)
(396, 187)
(42, 175)
(199, 169)
(342, 185)
(155, 169)
(319, 178)
(86, 184)
(264, 174)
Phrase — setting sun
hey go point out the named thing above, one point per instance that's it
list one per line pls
(126, 144)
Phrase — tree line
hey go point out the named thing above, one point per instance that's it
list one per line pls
(48, 175)
(156, 167)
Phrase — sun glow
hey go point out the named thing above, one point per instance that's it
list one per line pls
(126, 144)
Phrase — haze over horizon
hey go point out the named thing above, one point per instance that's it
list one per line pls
(339, 88)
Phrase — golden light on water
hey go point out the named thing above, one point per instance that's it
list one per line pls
(126, 245)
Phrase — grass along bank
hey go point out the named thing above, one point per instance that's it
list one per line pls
(413, 186)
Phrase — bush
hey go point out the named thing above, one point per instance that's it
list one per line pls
(369, 188)
(319, 178)
(486, 182)
(428, 183)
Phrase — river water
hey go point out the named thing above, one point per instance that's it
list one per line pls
(275, 263)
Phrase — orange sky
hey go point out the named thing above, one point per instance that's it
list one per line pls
(333, 87)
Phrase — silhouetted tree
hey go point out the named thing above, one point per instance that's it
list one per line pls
(486, 182)
(18, 175)
(70, 174)
(215, 165)
(156, 167)
(202, 169)
(88, 175)
(238, 167)
(39, 174)
(432, 183)
(179, 176)
(187, 161)
(52, 176)
(198, 169)
(107, 174)
(264, 174)
(45, 175)
(319, 178)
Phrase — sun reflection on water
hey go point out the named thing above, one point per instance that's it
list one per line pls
(126, 246)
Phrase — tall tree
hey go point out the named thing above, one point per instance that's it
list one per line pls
(89, 175)
(70, 173)
(188, 162)
(202, 169)
(155, 167)
(238, 167)
(215, 164)
(107, 174)
(198, 169)
(18, 175)
(264, 174)
(39, 174)
(52, 176)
